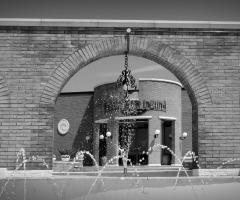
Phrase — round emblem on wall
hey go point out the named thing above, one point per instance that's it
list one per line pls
(63, 126)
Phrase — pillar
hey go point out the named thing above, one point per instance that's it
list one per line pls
(96, 142)
(112, 142)
(154, 156)
(177, 141)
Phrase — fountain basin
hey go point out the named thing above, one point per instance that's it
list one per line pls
(78, 187)
(117, 171)
(217, 172)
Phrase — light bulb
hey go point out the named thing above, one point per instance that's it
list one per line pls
(108, 134)
(157, 132)
(184, 134)
(125, 87)
(128, 30)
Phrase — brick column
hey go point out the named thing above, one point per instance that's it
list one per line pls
(154, 157)
(177, 141)
(96, 142)
(112, 142)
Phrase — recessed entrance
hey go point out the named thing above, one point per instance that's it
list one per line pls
(168, 134)
(139, 143)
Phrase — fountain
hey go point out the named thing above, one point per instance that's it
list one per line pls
(133, 186)
(21, 163)
(76, 182)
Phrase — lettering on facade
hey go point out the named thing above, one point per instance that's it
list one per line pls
(152, 105)
(138, 106)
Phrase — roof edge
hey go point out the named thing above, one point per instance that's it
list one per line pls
(161, 80)
(119, 23)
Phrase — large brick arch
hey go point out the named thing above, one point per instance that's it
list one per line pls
(147, 48)
(144, 47)
(150, 49)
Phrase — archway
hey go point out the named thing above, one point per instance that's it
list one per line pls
(144, 47)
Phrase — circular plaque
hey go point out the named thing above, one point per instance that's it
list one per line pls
(63, 126)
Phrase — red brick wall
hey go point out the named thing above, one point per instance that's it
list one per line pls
(37, 61)
(171, 93)
(186, 122)
(77, 108)
(110, 93)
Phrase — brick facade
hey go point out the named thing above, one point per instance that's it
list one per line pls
(37, 59)
(171, 93)
(83, 109)
(186, 122)
(77, 108)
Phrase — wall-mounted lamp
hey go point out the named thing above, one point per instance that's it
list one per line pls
(156, 134)
(87, 138)
(101, 137)
(109, 134)
(183, 136)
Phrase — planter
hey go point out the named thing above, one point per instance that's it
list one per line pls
(54, 157)
(166, 160)
(65, 158)
(103, 160)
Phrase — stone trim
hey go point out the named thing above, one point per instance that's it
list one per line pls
(133, 117)
(167, 118)
(101, 121)
(154, 165)
(161, 80)
(120, 23)
(216, 172)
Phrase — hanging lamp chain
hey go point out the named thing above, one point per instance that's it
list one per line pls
(126, 79)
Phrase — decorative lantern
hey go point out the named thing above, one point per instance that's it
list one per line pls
(87, 138)
(108, 134)
(183, 136)
(157, 132)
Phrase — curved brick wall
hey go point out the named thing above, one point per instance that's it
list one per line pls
(154, 90)
(77, 108)
(108, 93)
(81, 109)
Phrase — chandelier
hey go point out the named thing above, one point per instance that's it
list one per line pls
(126, 79)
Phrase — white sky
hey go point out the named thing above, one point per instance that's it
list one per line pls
(203, 10)
(108, 70)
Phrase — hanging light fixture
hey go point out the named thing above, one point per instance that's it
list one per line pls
(126, 79)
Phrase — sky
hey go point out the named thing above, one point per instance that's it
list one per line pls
(108, 69)
(203, 10)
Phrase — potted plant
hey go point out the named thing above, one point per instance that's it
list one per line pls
(65, 154)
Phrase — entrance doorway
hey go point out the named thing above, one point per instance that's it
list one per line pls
(167, 140)
(139, 143)
(102, 145)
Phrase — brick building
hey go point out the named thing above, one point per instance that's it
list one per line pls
(159, 106)
(38, 57)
